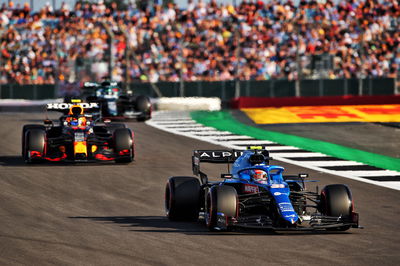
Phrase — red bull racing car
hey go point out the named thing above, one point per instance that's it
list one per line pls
(77, 137)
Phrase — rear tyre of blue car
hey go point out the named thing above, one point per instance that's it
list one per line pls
(336, 200)
(182, 198)
(221, 205)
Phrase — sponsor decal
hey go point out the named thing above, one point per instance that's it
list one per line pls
(90, 84)
(250, 189)
(65, 106)
(218, 154)
(286, 207)
(277, 193)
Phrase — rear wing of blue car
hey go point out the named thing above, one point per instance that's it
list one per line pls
(213, 156)
(261, 155)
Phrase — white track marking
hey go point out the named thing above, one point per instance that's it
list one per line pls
(370, 173)
(333, 163)
(297, 154)
(215, 133)
(237, 137)
(180, 123)
(250, 142)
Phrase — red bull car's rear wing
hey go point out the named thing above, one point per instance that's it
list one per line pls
(64, 107)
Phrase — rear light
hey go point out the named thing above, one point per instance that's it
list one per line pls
(35, 154)
(123, 152)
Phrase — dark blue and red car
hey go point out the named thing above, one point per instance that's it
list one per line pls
(77, 136)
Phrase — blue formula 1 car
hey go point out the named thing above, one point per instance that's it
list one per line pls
(256, 195)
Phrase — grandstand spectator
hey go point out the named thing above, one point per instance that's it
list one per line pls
(255, 40)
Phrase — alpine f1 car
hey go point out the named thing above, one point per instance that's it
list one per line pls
(117, 104)
(256, 195)
(76, 137)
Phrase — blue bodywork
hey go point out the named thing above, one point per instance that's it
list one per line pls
(275, 183)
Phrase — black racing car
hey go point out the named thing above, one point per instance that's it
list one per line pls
(116, 103)
(76, 137)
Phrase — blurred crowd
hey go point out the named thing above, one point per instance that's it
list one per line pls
(255, 40)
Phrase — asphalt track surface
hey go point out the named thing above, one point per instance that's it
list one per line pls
(108, 214)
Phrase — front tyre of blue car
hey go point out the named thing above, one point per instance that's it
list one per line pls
(221, 205)
(336, 200)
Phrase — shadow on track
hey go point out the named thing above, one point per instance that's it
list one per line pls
(160, 224)
(150, 224)
(12, 161)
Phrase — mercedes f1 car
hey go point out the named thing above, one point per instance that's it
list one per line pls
(76, 137)
(256, 195)
(117, 104)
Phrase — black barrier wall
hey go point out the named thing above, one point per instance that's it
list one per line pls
(271, 88)
(227, 90)
(29, 92)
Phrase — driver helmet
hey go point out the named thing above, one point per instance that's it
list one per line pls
(78, 122)
(74, 122)
(259, 175)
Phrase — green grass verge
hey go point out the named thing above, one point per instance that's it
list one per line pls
(223, 120)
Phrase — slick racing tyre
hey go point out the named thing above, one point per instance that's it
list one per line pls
(111, 127)
(24, 130)
(220, 200)
(123, 145)
(336, 200)
(34, 142)
(182, 198)
(143, 105)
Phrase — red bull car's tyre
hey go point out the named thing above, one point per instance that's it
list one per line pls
(34, 143)
(221, 204)
(24, 130)
(113, 126)
(123, 145)
(336, 200)
(182, 198)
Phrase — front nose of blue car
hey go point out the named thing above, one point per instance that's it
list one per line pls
(284, 205)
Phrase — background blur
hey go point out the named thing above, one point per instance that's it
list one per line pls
(226, 49)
